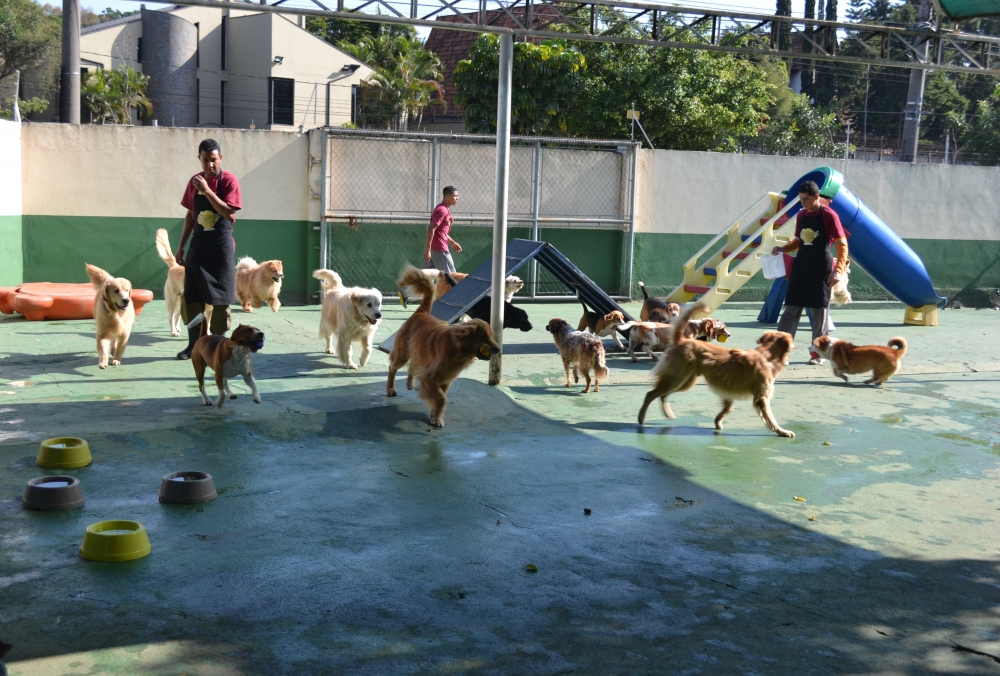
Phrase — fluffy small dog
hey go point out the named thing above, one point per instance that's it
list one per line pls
(847, 358)
(114, 314)
(601, 325)
(513, 316)
(258, 284)
(227, 357)
(582, 351)
(511, 285)
(652, 336)
(436, 353)
(656, 310)
(350, 314)
(732, 374)
(173, 290)
(839, 293)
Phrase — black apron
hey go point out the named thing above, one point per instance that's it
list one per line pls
(807, 285)
(210, 263)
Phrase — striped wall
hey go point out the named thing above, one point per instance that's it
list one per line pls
(11, 252)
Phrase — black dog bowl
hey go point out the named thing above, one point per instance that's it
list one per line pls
(187, 488)
(53, 493)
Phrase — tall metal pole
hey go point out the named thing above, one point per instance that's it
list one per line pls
(633, 200)
(69, 81)
(324, 241)
(533, 291)
(500, 210)
(915, 93)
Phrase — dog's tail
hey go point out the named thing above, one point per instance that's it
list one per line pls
(97, 276)
(163, 248)
(600, 367)
(626, 326)
(329, 279)
(645, 294)
(899, 344)
(199, 318)
(245, 263)
(418, 284)
(684, 319)
(585, 310)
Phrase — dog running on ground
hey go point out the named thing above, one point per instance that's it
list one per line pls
(258, 284)
(846, 358)
(656, 310)
(114, 315)
(227, 357)
(601, 325)
(350, 314)
(437, 354)
(652, 336)
(583, 351)
(731, 374)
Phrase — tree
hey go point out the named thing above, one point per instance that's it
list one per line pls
(26, 36)
(110, 96)
(546, 77)
(981, 130)
(32, 105)
(803, 131)
(336, 31)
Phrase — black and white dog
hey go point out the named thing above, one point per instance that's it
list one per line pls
(513, 316)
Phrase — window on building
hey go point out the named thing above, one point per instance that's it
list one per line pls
(222, 105)
(281, 100)
(222, 29)
(139, 50)
(354, 104)
(197, 101)
(197, 46)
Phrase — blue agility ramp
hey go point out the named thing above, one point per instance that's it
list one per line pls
(450, 307)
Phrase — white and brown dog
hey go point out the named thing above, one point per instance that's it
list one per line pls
(847, 358)
(511, 285)
(650, 336)
(600, 325)
(113, 313)
(227, 357)
(257, 285)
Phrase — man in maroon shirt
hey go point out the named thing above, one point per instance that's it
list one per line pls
(436, 248)
(212, 198)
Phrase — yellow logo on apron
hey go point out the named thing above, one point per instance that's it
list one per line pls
(208, 219)
(808, 235)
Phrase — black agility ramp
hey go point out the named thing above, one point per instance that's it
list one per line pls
(450, 307)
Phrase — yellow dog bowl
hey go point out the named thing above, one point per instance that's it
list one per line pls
(115, 541)
(64, 453)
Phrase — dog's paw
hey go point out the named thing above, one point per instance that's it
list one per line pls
(232, 396)
(247, 308)
(256, 399)
(391, 392)
(352, 366)
(207, 402)
(102, 366)
(220, 402)
(786, 433)
(115, 362)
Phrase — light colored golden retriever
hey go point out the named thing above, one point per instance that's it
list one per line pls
(436, 353)
(173, 290)
(350, 314)
(732, 374)
(258, 284)
(114, 314)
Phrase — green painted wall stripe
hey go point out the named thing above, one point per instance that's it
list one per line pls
(11, 250)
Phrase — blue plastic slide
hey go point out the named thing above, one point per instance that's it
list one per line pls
(873, 247)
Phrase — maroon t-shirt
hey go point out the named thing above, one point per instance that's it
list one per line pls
(224, 185)
(442, 219)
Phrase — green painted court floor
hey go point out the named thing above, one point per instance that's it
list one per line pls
(350, 538)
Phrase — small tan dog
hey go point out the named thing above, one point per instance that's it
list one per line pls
(114, 314)
(258, 284)
(846, 358)
(600, 325)
(227, 357)
(656, 335)
(582, 351)
(173, 290)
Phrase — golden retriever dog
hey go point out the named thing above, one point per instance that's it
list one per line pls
(583, 351)
(349, 314)
(732, 374)
(656, 310)
(437, 354)
(114, 314)
(882, 360)
(258, 284)
(173, 290)
(601, 325)
(652, 336)
(511, 285)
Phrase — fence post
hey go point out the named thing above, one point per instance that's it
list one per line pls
(435, 172)
(500, 209)
(534, 215)
(323, 243)
(633, 199)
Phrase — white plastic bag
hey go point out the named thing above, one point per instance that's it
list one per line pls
(773, 266)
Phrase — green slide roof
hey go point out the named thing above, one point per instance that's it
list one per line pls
(966, 9)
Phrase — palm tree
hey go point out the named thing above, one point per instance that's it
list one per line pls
(129, 91)
(95, 97)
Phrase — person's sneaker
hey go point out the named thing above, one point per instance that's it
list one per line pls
(814, 361)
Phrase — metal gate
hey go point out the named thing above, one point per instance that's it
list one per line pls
(380, 188)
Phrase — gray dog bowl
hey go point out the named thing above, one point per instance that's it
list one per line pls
(187, 488)
(53, 493)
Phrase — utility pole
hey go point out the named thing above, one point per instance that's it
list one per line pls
(500, 210)
(915, 93)
(69, 81)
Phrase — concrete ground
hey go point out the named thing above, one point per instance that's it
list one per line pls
(350, 538)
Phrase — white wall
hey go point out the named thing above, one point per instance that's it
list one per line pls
(689, 192)
(10, 168)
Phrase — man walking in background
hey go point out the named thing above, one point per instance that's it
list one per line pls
(436, 253)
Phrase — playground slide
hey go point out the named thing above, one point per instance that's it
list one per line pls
(873, 246)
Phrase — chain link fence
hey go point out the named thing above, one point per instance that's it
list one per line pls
(382, 186)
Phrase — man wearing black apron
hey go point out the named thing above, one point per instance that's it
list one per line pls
(212, 199)
(813, 270)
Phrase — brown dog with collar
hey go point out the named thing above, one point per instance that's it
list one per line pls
(228, 357)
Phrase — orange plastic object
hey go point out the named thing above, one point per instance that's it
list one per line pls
(38, 301)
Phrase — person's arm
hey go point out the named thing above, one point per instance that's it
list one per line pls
(219, 204)
(458, 247)
(430, 236)
(185, 234)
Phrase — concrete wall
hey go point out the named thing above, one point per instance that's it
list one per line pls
(98, 193)
(11, 253)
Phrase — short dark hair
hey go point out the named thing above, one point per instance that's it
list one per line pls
(450, 190)
(809, 188)
(209, 145)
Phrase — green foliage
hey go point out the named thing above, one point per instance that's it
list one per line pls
(110, 96)
(27, 35)
(981, 132)
(32, 105)
(546, 77)
(803, 131)
(336, 31)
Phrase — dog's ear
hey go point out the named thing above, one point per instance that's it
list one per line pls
(125, 285)
(106, 291)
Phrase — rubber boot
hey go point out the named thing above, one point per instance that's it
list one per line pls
(193, 335)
